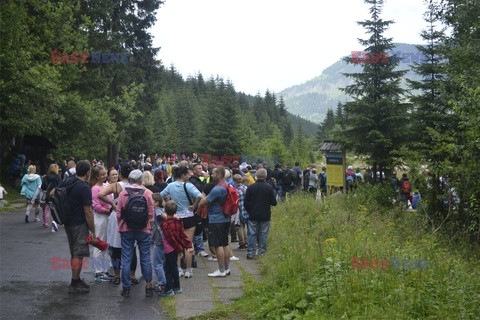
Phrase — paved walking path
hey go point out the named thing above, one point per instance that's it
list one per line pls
(30, 287)
(201, 293)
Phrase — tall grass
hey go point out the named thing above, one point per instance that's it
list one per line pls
(307, 271)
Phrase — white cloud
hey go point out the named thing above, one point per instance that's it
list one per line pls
(270, 44)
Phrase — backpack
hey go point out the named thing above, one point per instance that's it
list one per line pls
(350, 180)
(135, 212)
(306, 179)
(230, 207)
(289, 178)
(323, 180)
(59, 204)
(406, 187)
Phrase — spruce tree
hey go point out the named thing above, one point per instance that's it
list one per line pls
(375, 119)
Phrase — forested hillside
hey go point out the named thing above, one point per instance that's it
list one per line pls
(59, 80)
(311, 100)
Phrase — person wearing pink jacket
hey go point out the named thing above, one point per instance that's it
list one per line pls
(101, 211)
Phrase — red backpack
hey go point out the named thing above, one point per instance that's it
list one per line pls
(230, 207)
(406, 187)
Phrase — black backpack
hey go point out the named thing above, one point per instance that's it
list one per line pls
(135, 212)
(306, 179)
(289, 178)
(59, 204)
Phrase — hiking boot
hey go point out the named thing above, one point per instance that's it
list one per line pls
(194, 262)
(217, 273)
(83, 284)
(78, 288)
(134, 281)
(126, 293)
(116, 280)
(249, 257)
(149, 292)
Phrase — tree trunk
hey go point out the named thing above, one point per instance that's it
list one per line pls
(112, 154)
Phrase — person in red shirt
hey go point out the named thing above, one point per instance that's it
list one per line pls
(175, 240)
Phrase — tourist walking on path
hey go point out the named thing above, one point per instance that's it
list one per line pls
(259, 198)
(30, 184)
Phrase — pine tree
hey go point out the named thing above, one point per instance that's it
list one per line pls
(375, 119)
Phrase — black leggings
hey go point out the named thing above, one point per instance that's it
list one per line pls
(117, 259)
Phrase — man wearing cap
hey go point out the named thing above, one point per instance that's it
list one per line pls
(129, 236)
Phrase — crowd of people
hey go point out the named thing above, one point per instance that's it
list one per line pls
(174, 207)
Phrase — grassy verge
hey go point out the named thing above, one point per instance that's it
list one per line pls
(307, 272)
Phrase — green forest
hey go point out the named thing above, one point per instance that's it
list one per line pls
(118, 109)
(122, 108)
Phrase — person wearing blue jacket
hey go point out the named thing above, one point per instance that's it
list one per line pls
(30, 183)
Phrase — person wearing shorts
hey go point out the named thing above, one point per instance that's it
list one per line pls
(79, 223)
(218, 223)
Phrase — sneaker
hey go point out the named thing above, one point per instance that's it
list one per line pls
(217, 273)
(77, 289)
(202, 254)
(54, 226)
(227, 272)
(37, 219)
(83, 284)
(233, 258)
(126, 293)
(241, 248)
(159, 288)
(180, 273)
(26, 218)
(169, 293)
(188, 274)
(134, 280)
(149, 292)
(45, 225)
(212, 259)
(116, 280)
(102, 277)
(108, 274)
(177, 290)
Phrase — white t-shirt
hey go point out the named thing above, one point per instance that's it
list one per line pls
(1, 193)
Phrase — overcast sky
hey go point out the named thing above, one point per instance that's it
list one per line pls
(270, 44)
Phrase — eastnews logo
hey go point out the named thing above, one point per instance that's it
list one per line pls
(59, 263)
(396, 263)
(97, 57)
(381, 57)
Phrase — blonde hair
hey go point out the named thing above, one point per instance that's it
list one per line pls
(53, 168)
(95, 174)
(32, 169)
(148, 179)
(237, 178)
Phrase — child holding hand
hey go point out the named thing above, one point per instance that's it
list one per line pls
(175, 240)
